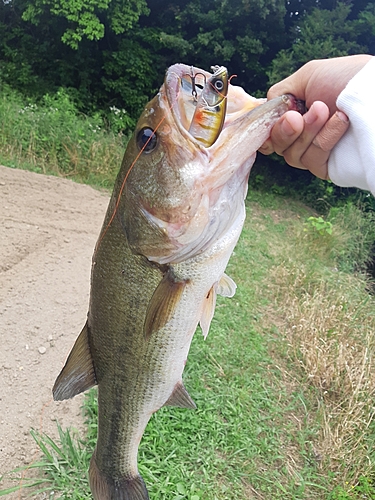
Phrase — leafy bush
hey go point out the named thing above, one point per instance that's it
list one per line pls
(319, 225)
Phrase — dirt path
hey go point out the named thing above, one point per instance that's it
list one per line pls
(48, 229)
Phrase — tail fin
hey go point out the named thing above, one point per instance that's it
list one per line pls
(108, 488)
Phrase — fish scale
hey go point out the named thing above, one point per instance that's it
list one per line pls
(174, 218)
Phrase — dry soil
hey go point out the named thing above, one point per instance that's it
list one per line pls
(48, 229)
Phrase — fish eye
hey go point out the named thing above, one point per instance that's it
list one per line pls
(219, 85)
(146, 140)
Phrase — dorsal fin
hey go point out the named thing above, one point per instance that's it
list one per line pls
(208, 311)
(226, 286)
(163, 303)
(180, 398)
(78, 374)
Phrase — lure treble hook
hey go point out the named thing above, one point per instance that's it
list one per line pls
(193, 76)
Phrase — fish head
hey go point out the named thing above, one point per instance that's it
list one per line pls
(174, 188)
(157, 154)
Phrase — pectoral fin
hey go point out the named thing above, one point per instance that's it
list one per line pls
(180, 398)
(78, 374)
(163, 303)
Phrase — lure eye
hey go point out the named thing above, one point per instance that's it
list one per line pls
(146, 140)
(219, 85)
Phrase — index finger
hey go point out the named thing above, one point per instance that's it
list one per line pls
(332, 132)
(290, 85)
(316, 157)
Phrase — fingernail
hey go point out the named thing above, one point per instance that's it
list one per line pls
(342, 116)
(287, 128)
(310, 117)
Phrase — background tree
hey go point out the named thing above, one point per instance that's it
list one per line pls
(323, 33)
(115, 52)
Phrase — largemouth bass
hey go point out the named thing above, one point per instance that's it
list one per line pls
(174, 218)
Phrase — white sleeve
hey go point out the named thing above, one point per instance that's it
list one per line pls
(352, 160)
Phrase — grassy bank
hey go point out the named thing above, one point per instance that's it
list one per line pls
(285, 381)
(51, 137)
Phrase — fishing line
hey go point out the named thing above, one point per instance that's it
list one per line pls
(137, 158)
(126, 177)
(96, 249)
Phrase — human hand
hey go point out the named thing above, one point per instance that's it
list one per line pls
(306, 141)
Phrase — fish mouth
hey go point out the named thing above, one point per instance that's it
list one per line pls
(198, 101)
(181, 83)
(184, 88)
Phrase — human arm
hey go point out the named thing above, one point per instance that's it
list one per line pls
(352, 161)
(306, 142)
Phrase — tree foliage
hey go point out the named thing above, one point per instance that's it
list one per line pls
(83, 18)
(115, 52)
(236, 33)
(325, 33)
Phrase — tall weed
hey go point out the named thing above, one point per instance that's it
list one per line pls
(355, 236)
(52, 137)
(345, 238)
(329, 328)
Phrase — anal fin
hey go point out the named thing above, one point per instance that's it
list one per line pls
(78, 374)
(180, 398)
